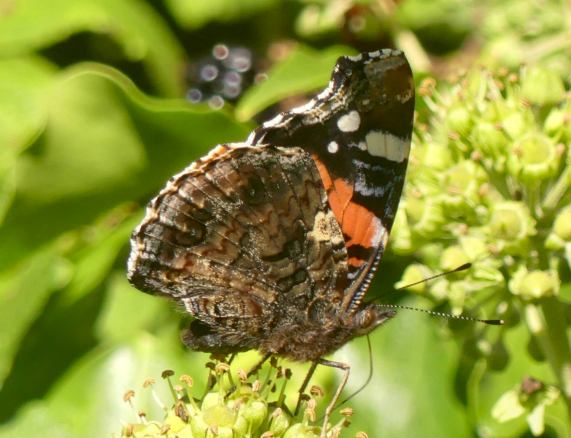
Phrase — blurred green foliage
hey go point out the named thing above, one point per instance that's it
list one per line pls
(93, 121)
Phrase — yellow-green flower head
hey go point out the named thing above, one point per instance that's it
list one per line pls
(533, 157)
(412, 274)
(562, 224)
(541, 86)
(425, 216)
(461, 186)
(510, 227)
(459, 119)
(489, 139)
(560, 235)
(532, 285)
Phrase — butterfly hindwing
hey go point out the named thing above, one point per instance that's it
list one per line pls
(244, 239)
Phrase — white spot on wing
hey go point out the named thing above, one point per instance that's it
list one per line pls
(333, 147)
(356, 58)
(386, 145)
(349, 122)
(380, 234)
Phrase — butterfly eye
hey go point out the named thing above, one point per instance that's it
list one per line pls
(364, 319)
(370, 318)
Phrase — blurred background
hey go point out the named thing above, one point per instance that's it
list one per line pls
(102, 101)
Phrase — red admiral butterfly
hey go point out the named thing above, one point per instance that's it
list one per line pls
(271, 244)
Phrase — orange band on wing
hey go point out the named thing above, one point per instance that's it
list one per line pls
(356, 221)
(339, 192)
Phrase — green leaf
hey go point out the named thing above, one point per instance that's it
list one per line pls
(24, 83)
(23, 87)
(95, 260)
(23, 294)
(34, 24)
(105, 143)
(127, 311)
(303, 71)
(88, 401)
(196, 13)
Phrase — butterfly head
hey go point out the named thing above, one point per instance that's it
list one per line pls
(369, 318)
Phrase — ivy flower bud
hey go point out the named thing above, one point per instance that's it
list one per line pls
(531, 285)
(562, 224)
(510, 225)
(459, 119)
(401, 239)
(452, 257)
(558, 124)
(280, 422)
(435, 156)
(461, 186)
(412, 274)
(515, 123)
(475, 247)
(534, 158)
(254, 412)
(560, 235)
(300, 430)
(489, 139)
(542, 87)
(425, 216)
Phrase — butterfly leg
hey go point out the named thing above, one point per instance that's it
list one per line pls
(257, 367)
(304, 385)
(331, 406)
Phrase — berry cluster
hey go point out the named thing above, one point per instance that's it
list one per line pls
(221, 77)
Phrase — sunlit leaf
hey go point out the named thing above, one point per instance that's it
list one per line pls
(196, 13)
(104, 143)
(32, 24)
(23, 294)
(303, 71)
(24, 84)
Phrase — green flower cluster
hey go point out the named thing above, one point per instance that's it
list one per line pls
(489, 184)
(531, 31)
(233, 407)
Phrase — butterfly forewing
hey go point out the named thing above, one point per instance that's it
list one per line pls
(358, 131)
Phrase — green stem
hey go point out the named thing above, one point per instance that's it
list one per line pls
(558, 191)
(546, 322)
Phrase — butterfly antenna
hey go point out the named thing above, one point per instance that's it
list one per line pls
(460, 268)
(445, 315)
(463, 267)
